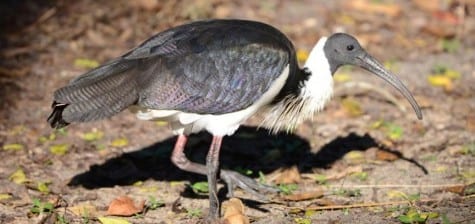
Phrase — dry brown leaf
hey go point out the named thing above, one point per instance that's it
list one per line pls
(439, 31)
(84, 210)
(304, 196)
(447, 17)
(457, 189)
(391, 10)
(386, 156)
(124, 206)
(286, 176)
(234, 212)
(470, 123)
(347, 171)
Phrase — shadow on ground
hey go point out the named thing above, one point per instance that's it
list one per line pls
(247, 149)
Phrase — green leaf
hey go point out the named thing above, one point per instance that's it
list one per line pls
(193, 212)
(59, 149)
(405, 219)
(468, 149)
(287, 188)
(262, 177)
(450, 45)
(200, 187)
(41, 207)
(153, 203)
(43, 187)
(391, 130)
(394, 131)
(414, 197)
(85, 63)
(13, 147)
(320, 178)
(362, 176)
(107, 220)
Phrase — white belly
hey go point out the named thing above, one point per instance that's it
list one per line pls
(219, 125)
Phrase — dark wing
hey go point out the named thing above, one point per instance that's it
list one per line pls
(213, 67)
(210, 67)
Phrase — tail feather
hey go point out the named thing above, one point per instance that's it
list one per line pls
(100, 93)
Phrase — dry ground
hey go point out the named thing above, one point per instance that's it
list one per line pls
(364, 148)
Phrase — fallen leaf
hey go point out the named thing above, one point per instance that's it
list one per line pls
(124, 206)
(161, 123)
(5, 197)
(234, 212)
(200, 187)
(441, 168)
(85, 63)
(93, 135)
(84, 210)
(440, 80)
(457, 189)
(354, 157)
(304, 196)
(439, 31)
(120, 142)
(469, 189)
(394, 194)
(341, 77)
(447, 17)
(352, 107)
(107, 220)
(18, 177)
(59, 149)
(386, 156)
(286, 175)
(43, 187)
(346, 172)
(13, 147)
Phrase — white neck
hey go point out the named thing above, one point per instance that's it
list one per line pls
(314, 94)
(318, 89)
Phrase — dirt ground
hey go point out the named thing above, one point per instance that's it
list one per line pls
(366, 155)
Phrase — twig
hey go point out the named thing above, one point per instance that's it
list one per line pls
(369, 204)
(367, 86)
(398, 186)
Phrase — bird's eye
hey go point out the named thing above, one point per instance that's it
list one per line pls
(350, 47)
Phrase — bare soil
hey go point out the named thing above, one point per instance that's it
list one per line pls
(399, 159)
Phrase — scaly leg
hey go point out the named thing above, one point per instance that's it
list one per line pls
(231, 178)
(212, 164)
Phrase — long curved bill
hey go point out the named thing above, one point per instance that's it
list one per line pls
(367, 62)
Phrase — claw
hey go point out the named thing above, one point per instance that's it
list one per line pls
(234, 179)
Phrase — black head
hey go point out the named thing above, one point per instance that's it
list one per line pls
(343, 49)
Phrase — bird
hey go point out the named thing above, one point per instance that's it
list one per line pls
(212, 75)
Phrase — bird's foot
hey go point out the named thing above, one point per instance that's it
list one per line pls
(234, 179)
